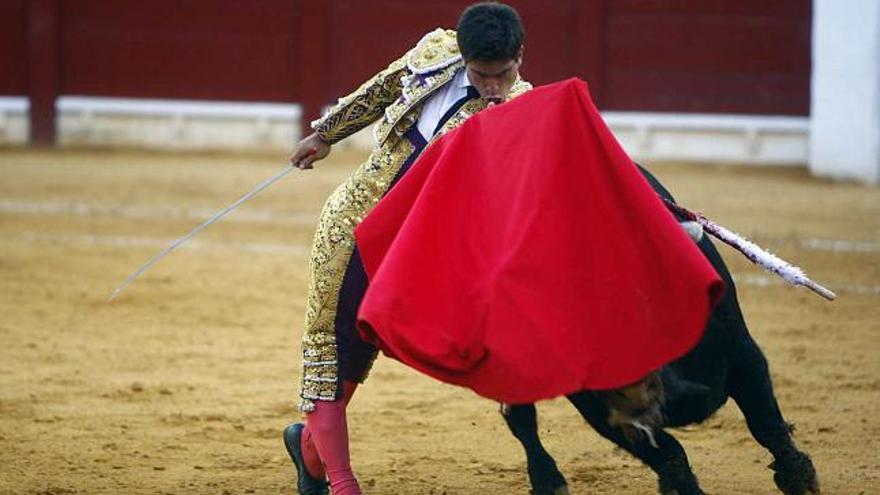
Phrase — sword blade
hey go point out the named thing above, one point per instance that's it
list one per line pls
(192, 233)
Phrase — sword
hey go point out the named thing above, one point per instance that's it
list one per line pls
(217, 216)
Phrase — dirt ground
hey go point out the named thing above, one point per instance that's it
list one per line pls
(184, 383)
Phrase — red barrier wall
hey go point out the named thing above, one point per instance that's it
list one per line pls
(212, 50)
(712, 56)
(13, 46)
(744, 56)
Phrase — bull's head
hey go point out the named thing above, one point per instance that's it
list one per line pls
(637, 408)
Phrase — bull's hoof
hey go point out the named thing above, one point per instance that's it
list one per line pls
(557, 486)
(561, 490)
(676, 491)
(545, 478)
(795, 474)
(676, 478)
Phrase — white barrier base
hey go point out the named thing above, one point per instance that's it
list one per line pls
(14, 120)
(742, 139)
(247, 126)
(177, 124)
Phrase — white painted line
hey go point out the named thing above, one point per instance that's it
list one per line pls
(840, 246)
(159, 242)
(818, 244)
(141, 212)
(764, 281)
(760, 281)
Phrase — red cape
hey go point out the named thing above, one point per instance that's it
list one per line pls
(525, 257)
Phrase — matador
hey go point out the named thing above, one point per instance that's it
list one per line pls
(446, 78)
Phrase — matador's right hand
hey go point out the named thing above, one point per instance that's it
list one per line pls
(308, 151)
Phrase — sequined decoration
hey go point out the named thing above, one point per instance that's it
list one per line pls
(361, 108)
(331, 251)
(395, 95)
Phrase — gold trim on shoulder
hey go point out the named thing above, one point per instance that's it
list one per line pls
(436, 50)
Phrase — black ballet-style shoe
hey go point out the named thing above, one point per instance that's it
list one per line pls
(305, 483)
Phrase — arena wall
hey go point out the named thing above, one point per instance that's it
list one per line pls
(659, 63)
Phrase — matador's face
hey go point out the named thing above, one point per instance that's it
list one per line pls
(494, 78)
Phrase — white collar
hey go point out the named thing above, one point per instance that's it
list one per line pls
(461, 79)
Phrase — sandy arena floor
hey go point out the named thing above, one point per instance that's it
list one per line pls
(184, 383)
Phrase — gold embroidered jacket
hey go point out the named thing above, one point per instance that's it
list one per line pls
(394, 97)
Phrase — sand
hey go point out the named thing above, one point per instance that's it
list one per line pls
(184, 383)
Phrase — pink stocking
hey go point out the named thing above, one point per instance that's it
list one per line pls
(310, 455)
(326, 439)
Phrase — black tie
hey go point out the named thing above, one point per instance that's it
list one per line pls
(471, 94)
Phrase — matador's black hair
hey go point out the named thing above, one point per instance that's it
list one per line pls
(490, 31)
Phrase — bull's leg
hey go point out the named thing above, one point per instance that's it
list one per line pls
(544, 476)
(668, 459)
(752, 389)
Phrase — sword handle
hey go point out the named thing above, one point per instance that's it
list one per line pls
(822, 291)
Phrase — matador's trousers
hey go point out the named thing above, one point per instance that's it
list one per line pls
(332, 348)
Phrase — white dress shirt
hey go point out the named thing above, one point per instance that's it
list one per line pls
(440, 102)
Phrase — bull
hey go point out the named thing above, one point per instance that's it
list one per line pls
(725, 363)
